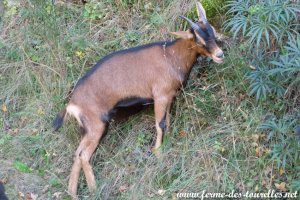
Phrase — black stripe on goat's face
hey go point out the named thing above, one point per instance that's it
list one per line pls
(206, 41)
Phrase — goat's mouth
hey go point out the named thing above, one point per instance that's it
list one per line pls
(217, 59)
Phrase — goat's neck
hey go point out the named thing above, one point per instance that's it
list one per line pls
(183, 55)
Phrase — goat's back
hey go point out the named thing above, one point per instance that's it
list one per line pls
(135, 72)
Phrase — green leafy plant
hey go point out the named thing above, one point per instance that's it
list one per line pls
(269, 33)
(270, 25)
(94, 10)
(260, 83)
(288, 64)
(12, 8)
(279, 74)
(263, 23)
(282, 140)
(22, 167)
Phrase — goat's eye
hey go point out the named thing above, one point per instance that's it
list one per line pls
(203, 43)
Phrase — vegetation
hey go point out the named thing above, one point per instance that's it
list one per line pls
(271, 31)
(232, 126)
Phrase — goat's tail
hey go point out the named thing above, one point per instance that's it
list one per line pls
(59, 120)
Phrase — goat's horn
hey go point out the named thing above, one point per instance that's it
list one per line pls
(201, 13)
(193, 24)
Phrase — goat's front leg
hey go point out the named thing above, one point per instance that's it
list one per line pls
(168, 116)
(161, 109)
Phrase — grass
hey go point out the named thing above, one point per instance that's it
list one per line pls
(215, 143)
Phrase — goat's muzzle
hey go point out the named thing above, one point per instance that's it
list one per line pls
(218, 56)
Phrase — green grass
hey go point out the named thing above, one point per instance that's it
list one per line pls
(214, 144)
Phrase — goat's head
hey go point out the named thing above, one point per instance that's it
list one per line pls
(204, 36)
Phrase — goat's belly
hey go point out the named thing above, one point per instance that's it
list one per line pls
(132, 101)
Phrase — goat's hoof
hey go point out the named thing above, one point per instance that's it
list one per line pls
(72, 193)
(156, 152)
(74, 196)
(92, 189)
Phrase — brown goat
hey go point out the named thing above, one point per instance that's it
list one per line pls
(149, 73)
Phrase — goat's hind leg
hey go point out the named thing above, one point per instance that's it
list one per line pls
(75, 171)
(84, 152)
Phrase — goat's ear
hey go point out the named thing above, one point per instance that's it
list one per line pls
(183, 34)
(214, 30)
(217, 35)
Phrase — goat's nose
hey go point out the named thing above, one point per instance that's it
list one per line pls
(220, 54)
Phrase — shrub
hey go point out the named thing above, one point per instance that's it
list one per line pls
(269, 31)
(267, 23)
(280, 75)
(282, 142)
